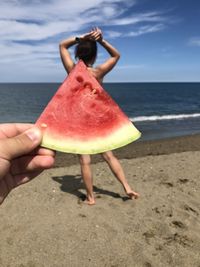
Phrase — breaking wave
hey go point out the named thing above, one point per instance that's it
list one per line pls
(165, 117)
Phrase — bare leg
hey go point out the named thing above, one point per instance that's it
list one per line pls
(117, 170)
(87, 178)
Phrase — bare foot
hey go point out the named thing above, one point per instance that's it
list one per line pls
(89, 200)
(132, 194)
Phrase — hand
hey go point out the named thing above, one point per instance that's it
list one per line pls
(21, 158)
(96, 34)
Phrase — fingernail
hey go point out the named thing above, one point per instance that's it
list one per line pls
(34, 134)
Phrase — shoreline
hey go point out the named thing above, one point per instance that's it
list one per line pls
(140, 149)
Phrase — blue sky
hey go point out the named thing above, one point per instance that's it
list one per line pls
(159, 40)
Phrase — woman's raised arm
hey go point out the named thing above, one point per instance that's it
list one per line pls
(65, 55)
(107, 66)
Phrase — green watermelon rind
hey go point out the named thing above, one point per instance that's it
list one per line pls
(123, 132)
(122, 137)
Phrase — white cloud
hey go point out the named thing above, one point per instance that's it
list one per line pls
(138, 18)
(139, 31)
(146, 29)
(30, 30)
(26, 52)
(130, 67)
(57, 9)
(38, 20)
(195, 41)
(16, 30)
(113, 34)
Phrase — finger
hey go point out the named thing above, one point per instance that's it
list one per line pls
(43, 151)
(24, 143)
(94, 32)
(95, 35)
(100, 32)
(26, 177)
(18, 180)
(87, 35)
(31, 164)
(13, 129)
(9, 181)
(3, 190)
(97, 38)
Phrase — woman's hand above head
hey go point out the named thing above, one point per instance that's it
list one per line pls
(86, 36)
(96, 34)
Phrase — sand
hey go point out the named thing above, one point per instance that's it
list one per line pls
(45, 224)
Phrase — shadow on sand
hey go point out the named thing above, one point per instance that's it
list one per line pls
(73, 184)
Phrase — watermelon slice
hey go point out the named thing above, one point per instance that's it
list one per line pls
(82, 118)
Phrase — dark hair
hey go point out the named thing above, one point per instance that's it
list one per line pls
(86, 50)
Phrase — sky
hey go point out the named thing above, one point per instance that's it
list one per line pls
(159, 40)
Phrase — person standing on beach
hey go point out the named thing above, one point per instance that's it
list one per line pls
(86, 50)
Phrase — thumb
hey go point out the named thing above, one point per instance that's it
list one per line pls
(22, 144)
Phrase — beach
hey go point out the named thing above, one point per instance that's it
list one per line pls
(45, 223)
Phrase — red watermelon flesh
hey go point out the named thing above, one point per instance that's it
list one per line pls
(82, 118)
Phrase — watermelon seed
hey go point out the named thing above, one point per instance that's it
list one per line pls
(94, 91)
(75, 89)
(88, 85)
(43, 125)
(59, 96)
(79, 79)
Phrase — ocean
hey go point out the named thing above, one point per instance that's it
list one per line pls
(158, 110)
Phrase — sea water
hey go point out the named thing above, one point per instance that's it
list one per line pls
(158, 110)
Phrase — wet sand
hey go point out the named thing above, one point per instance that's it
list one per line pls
(45, 223)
